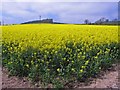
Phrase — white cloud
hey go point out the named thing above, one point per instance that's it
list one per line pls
(65, 11)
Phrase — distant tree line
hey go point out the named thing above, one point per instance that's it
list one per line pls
(103, 21)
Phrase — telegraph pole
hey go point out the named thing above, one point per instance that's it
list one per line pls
(40, 17)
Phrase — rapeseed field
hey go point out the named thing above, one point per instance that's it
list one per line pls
(58, 53)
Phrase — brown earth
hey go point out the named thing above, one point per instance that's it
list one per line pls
(107, 79)
(13, 81)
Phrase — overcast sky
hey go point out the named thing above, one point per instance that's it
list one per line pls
(66, 12)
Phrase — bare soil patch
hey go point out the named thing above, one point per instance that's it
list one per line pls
(14, 82)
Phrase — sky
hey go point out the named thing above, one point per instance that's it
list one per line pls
(65, 12)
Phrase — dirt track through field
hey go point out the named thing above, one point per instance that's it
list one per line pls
(108, 80)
